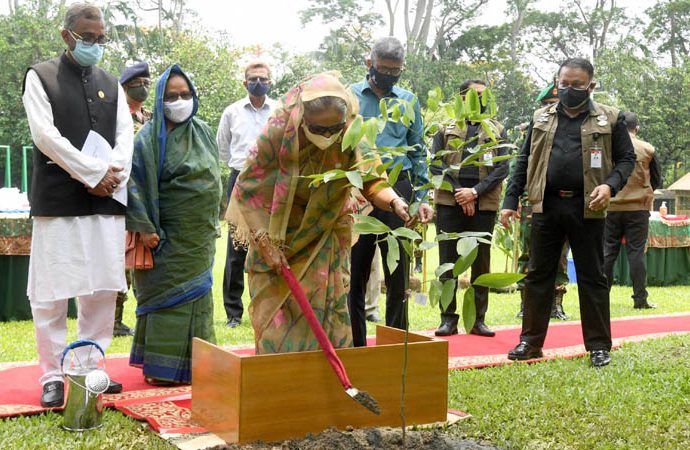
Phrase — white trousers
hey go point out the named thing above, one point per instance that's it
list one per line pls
(96, 316)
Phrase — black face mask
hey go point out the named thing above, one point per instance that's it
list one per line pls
(139, 93)
(573, 98)
(383, 81)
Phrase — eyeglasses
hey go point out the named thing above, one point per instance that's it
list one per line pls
(169, 98)
(392, 71)
(139, 82)
(318, 129)
(88, 41)
(577, 88)
(255, 79)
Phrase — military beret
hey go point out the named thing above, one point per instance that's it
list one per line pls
(548, 93)
(140, 69)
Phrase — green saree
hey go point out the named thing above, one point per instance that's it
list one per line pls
(174, 191)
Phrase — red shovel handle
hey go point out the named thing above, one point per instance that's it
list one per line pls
(316, 327)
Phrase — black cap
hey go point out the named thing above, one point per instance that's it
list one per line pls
(140, 69)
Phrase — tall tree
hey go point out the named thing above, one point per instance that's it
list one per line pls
(669, 26)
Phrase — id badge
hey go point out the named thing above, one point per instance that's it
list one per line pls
(488, 159)
(595, 161)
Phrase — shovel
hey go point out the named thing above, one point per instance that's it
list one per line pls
(361, 397)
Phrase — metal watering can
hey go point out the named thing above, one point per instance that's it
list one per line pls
(87, 380)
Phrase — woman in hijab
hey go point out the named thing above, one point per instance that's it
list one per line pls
(307, 228)
(174, 193)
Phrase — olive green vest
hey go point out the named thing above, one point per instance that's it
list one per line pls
(637, 195)
(596, 132)
(489, 200)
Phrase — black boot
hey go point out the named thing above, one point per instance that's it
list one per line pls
(522, 304)
(119, 328)
(557, 308)
(449, 326)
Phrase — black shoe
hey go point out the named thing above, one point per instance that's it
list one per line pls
(373, 317)
(523, 351)
(600, 358)
(53, 395)
(644, 305)
(447, 328)
(234, 322)
(120, 329)
(113, 387)
(480, 329)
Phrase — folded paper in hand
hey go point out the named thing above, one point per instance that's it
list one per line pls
(97, 147)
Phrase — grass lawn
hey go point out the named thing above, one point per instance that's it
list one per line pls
(641, 401)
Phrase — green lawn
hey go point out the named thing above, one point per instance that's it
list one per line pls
(641, 401)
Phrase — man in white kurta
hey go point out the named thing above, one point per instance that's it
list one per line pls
(76, 255)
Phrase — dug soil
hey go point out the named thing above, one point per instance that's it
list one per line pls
(369, 439)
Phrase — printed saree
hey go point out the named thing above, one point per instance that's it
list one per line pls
(174, 191)
(311, 225)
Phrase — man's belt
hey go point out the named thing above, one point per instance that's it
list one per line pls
(567, 194)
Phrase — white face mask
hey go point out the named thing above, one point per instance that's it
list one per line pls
(179, 110)
(321, 142)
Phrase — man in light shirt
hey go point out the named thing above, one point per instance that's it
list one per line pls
(238, 129)
(78, 243)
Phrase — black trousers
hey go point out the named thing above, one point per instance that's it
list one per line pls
(634, 225)
(451, 219)
(563, 219)
(360, 268)
(233, 278)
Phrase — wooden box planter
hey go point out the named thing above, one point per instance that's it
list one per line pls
(287, 395)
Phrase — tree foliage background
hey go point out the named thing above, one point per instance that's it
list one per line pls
(641, 62)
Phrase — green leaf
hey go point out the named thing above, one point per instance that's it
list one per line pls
(466, 245)
(437, 180)
(443, 268)
(333, 175)
(353, 134)
(435, 289)
(489, 130)
(469, 310)
(472, 103)
(447, 293)
(355, 178)
(369, 225)
(393, 255)
(465, 262)
(393, 175)
(383, 107)
(395, 113)
(498, 280)
(406, 233)
(371, 131)
(426, 245)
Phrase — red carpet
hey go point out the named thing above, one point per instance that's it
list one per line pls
(167, 409)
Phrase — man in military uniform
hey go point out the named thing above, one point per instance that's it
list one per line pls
(576, 156)
(136, 82)
(548, 96)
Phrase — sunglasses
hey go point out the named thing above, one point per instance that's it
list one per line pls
(318, 129)
(169, 98)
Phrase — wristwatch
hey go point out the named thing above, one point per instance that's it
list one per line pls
(474, 192)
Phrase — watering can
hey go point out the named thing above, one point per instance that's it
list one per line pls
(86, 382)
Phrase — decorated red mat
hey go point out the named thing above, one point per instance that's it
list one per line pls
(167, 409)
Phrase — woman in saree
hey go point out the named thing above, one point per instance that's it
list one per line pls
(174, 193)
(307, 228)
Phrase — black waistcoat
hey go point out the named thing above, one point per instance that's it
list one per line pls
(82, 99)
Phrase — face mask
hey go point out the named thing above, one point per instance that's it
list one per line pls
(321, 142)
(179, 110)
(383, 81)
(573, 98)
(257, 89)
(139, 93)
(87, 56)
